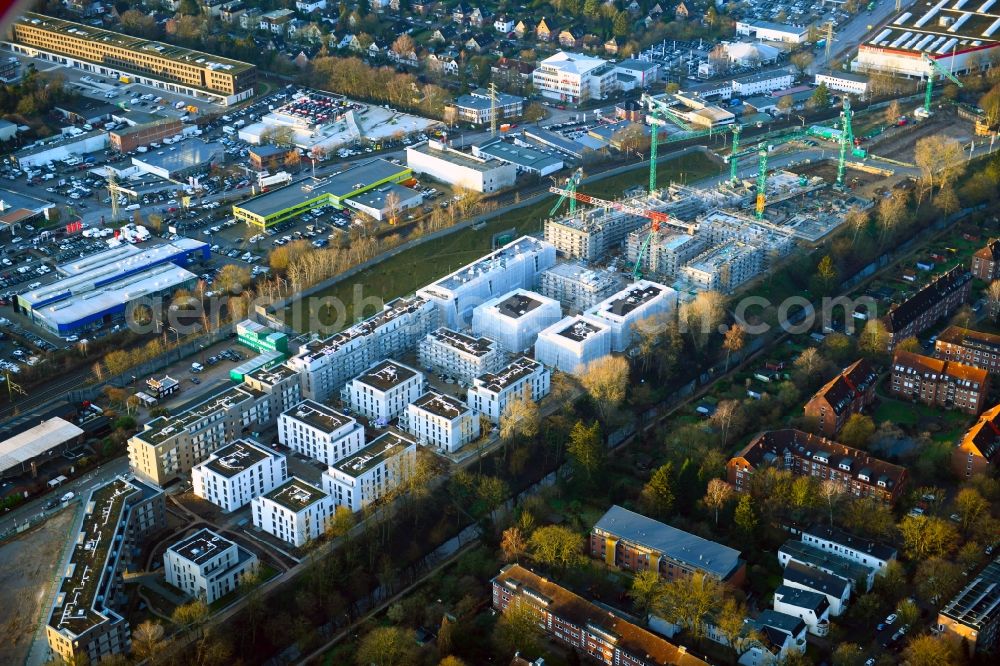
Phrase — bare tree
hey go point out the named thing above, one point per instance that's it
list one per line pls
(717, 496)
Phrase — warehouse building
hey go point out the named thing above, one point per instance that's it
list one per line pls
(515, 265)
(382, 393)
(291, 201)
(119, 56)
(320, 432)
(180, 161)
(525, 378)
(625, 310)
(515, 319)
(458, 355)
(441, 421)
(766, 31)
(573, 343)
(374, 471)
(207, 566)
(76, 143)
(235, 474)
(387, 202)
(127, 139)
(295, 511)
(479, 174)
(524, 158)
(35, 445)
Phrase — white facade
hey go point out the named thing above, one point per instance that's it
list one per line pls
(441, 421)
(320, 432)
(640, 300)
(810, 607)
(325, 365)
(577, 286)
(515, 265)
(573, 343)
(843, 82)
(373, 471)
(454, 167)
(865, 552)
(233, 475)
(763, 83)
(574, 77)
(836, 589)
(515, 319)
(383, 391)
(295, 511)
(458, 355)
(207, 565)
(525, 377)
(772, 32)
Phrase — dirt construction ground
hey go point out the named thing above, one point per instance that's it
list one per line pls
(30, 563)
(902, 146)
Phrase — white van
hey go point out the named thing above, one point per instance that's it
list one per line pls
(197, 367)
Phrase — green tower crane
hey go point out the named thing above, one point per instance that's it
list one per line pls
(925, 110)
(733, 159)
(761, 183)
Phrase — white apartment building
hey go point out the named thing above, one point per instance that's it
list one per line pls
(762, 83)
(639, 301)
(443, 163)
(458, 355)
(848, 82)
(477, 107)
(295, 511)
(373, 471)
(574, 77)
(513, 266)
(515, 319)
(320, 432)
(383, 391)
(837, 590)
(573, 343)
(766, 31)
(866, 552)
(326, 365)
(810, 607)
(441, 421)
(724, 267)
(235, 474)
(523, 378)
(207, 565)
(578, 287)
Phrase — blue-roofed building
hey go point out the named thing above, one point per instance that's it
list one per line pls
(629, 540)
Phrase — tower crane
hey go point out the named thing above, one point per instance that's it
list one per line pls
(569, 193)
(761, 183)
(733, 160)
(925, 110)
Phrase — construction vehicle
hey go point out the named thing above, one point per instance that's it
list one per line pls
(925, 110)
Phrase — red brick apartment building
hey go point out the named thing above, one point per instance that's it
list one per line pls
(805, 454)
(986, 261)
(979, 450)
(847, 393)
(628, 540)
(939, 383)
(572, 620)
(937, 299)
(968, 347)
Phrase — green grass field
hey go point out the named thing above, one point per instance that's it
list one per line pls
(407, 271)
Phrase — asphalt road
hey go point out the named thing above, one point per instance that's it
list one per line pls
(846, 37)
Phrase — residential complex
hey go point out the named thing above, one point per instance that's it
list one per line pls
(572, 620)
(235, 474)
(524, 378)
(866, 552)
(837, 590)
(940, 383)
(85, 623)
(573, 343)
(458, 355)
(515, 319)
(117, 55)
(441, 421)
(810, 607)
(936, 300)
(986, 261)
(295, 512)
(860, 578)
(642, 302)
(382, 392)
(578, 287)
(320, 432)
(372, 472)
(979, 449)
(973, 615)
(968, 347)
(804, 454)
(207, 566)
(850, 392)
(631, 541)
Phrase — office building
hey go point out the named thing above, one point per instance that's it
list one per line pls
(382, 393)
(457, 355)
(968, 347)
(810, 607)
(973, 616)
(477, 107)
(847, 82)
(640, 301)
(128, 138)
(327, 364)
(515, 319)
(850, 392)
(295, 512)
(628, 540)
(372, 472)
(86, 622)
(574, 78)
(454, 167)
(573, 343)
(235, 474)
(119, 56)
(936, 300)
(570, 619)
(939, 383)
(524, 378)
(804, 454)
(534, 161)
(762, 83)
(386, 202)
(441, 421)
(979, 449)
(514, 266)
(267, 157)
(207, 566)
(837, 590)
(320, 432)
(578, 287)
(767, 31)
(986, 261)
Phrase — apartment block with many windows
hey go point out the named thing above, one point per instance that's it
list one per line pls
(936, 300)
(972, 617)
(207, 566)
(939, 383)
(382, 392)
(850, 392)
(295, 511)
(979, 450)
(235, 474)
(968, 347)
(460, 356)
(986, 261)
(320, 432)
(524, 378)
(372, 472)
(441, 421)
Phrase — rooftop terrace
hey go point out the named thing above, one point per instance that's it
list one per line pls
(463, 343)
(509, 375)
(441, 405)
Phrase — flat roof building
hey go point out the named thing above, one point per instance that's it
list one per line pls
(523, 378)
(382, 392)
(35, 443)
(640, 301)
(295, 511)
(442, 421)
(477, 107)
(372, 472)
(233, 475)
(515, 319)
(320, 432)
(524, 158)
(768, 31)
(577, 286)
(386, 202)
(179, 161)
(443, 163)
(973, 615)
(573, 343)
(458, 355)
(128, 138)
(114, 54)
(207, 566)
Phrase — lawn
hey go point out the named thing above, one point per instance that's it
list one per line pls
(407, 271)
(910, 415)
